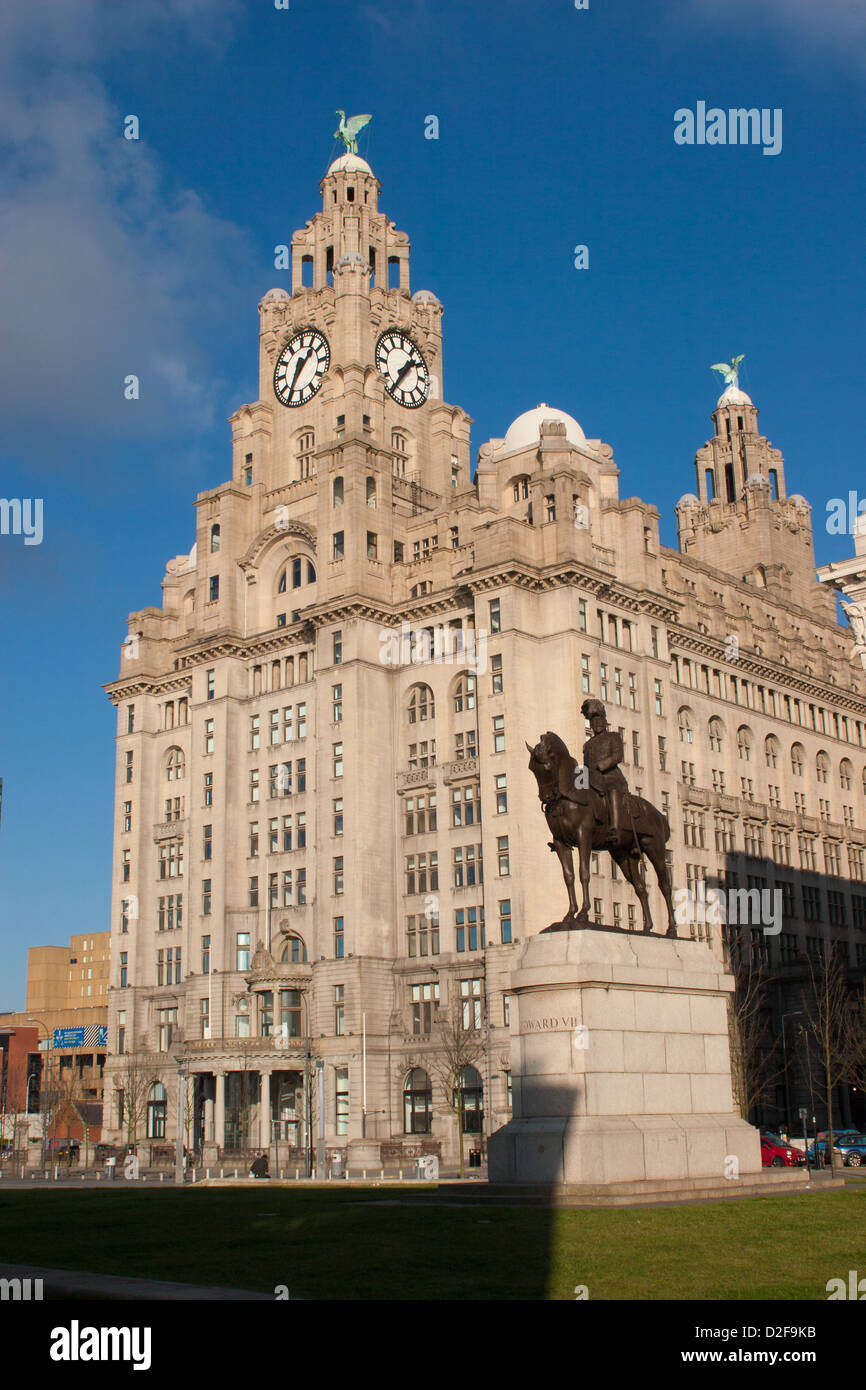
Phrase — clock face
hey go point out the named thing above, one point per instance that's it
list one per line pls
(301, 366)
(402, 364)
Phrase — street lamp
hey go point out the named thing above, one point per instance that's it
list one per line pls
(181, 1107)
(46, 1100)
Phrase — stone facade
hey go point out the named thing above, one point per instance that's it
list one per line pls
(299, 846)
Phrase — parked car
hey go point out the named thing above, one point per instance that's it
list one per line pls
(850, 1147)
(839, 1137)
(777, 1154)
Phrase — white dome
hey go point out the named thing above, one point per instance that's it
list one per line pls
(526, 429)
(688, 499)
(350, 164)
(734, 396)
(273, 295)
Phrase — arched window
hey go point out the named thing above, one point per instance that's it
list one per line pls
(174, 765)
(276, 671)
(417, 1102)
(283, 584)
(371, 492)
(183, 711)
(822, 767)
(471, 1100)
(744, 744)
(311, 572)
(717, 735)
(294, 951)
(156, 1110)
(215, 538)
(337, 493)
(772, 748)
(421, 704)
(520, 488)
(464, 693)
(846, 774)
(686, 726)
(798, 759)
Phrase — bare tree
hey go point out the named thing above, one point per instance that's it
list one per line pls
(832, 1021)
(754, 1069)
(132, 1086)
(460, 1046)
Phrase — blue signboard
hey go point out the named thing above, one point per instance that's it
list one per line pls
(93, 1035)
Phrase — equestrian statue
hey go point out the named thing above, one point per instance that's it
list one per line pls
(590, 808)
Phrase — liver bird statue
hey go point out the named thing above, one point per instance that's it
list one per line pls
(729, 370)
(349, 130)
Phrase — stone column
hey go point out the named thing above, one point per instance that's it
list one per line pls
(264, 1110)
(219, 1133)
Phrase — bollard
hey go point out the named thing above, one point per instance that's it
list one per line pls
(161, 1176)
(364, 1174)
(236, 1174)
(207, 1173)
(98, 1176)
(221, 1174)
(193, 1175)
(400, 1175)
(56, 1171)
(382, 1174)
(296, 1174)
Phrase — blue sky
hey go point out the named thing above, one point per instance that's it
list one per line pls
(149, 257)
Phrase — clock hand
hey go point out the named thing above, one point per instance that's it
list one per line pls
(407, 365)
(302, 362)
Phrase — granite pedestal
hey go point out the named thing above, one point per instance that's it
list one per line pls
(621, 1069)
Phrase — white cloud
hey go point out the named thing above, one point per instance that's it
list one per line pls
(106, 268)
(835, 25)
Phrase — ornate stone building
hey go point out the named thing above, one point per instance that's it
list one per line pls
(327, 842)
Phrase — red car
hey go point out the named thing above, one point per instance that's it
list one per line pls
(775, 1154)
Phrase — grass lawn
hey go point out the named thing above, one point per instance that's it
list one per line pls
(351, 1243)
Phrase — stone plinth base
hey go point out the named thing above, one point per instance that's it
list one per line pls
(771, 1182)
(620, 1066)
(363, 1155)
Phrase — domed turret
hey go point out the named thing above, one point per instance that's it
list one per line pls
(525, 431)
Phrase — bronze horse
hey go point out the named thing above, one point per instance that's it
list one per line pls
(577, 819)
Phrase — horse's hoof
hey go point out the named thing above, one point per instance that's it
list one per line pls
(671, 931)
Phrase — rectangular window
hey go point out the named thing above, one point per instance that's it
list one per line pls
(337, 703)
(214, 591)
(129, 767)
(253, 892)
(339, 938)
(339, 545)
(505, 921)
(499, 733)
(337, 760)
(496, 674)
(495, 616)
(425, 1001)
(127, 815)
(341, 1091)
(503, 856)
(339, 1010)
(338, 815)
(208, 736)
(338, 875)
(470, 1001)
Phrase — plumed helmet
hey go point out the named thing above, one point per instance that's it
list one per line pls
(589, 708)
